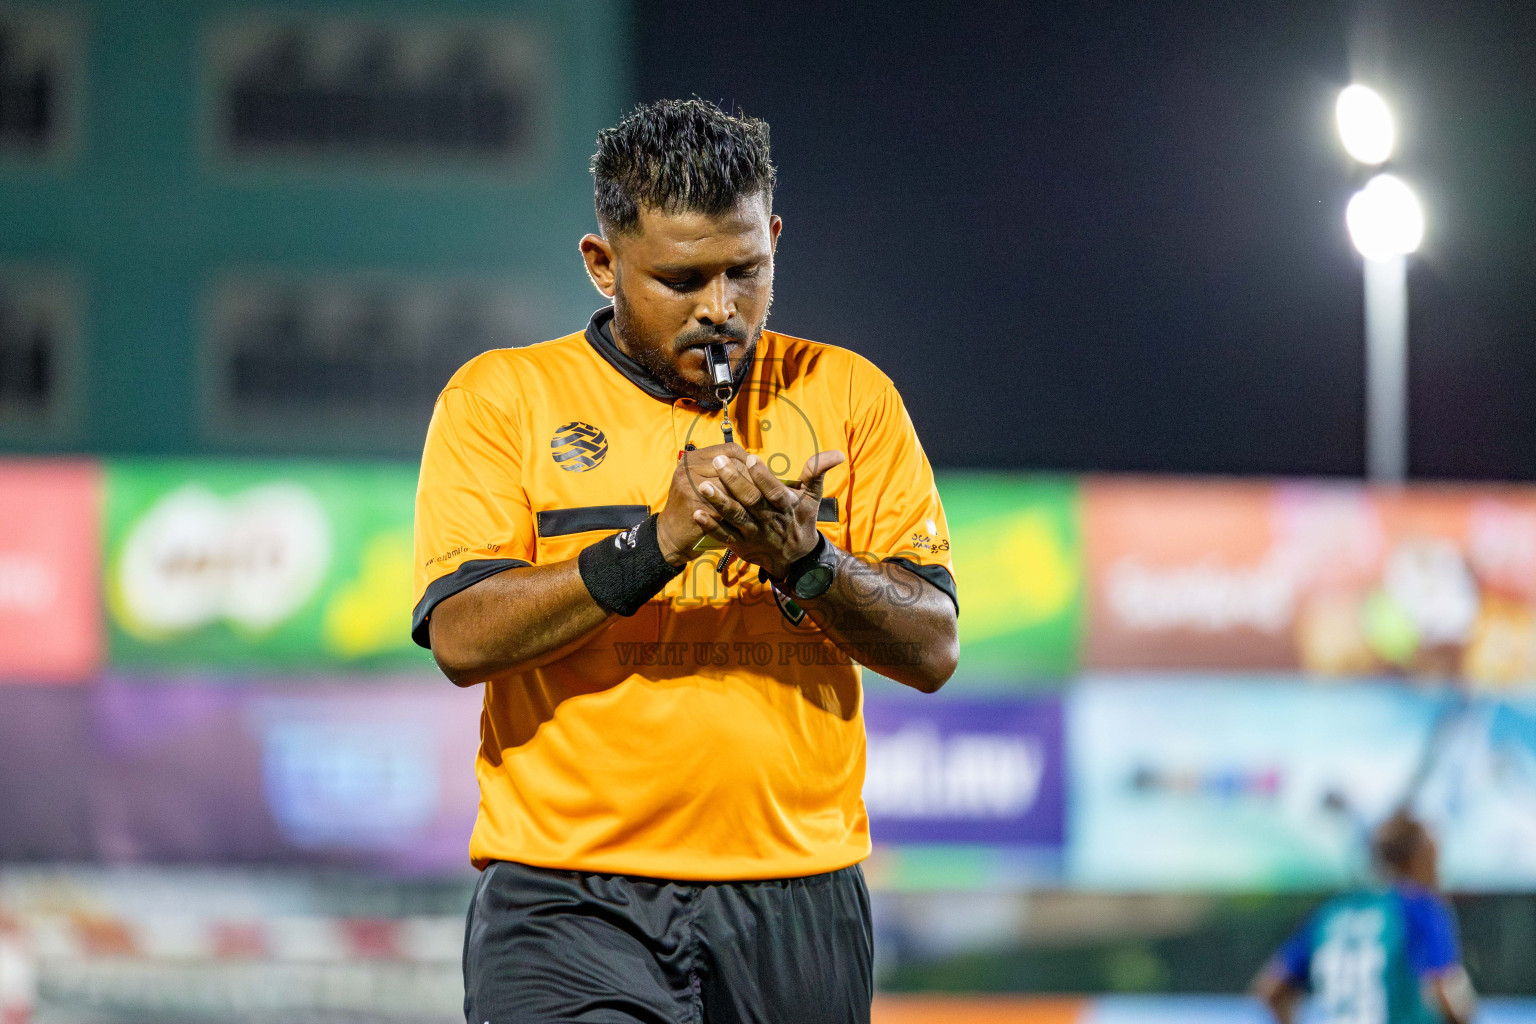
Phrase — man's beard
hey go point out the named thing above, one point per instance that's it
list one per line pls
(657, 356)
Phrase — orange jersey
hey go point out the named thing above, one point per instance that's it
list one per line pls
(709, 736)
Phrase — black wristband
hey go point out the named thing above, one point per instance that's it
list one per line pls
(624, 571)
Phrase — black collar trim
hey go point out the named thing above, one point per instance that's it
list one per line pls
(599, 335)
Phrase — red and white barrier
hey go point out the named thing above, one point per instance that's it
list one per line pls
(283, 939)
(18, 975)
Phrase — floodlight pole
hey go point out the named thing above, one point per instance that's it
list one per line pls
(1386, 369)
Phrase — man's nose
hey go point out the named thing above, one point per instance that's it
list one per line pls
(715, 303)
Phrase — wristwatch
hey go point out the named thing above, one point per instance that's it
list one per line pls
(810, 575)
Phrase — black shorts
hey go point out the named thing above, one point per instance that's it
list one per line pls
(544, 946)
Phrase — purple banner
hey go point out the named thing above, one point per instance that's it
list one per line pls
(380, 773)
(46, 771)
(965, 771)
(377, 774)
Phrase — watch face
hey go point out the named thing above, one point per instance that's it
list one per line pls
(815, 581)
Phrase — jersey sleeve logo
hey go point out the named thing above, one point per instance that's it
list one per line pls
(578, 447)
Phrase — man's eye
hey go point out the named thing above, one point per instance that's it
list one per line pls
(746, 272)
(686, 284)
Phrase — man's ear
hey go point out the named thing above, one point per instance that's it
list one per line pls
(774, 226)
(597, 251)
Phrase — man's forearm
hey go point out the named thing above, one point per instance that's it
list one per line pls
(882, 615)
(890, 620)
(519, 618)
(529, 616)
(1454, 993)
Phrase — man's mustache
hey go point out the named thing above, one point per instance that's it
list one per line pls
(721, 334)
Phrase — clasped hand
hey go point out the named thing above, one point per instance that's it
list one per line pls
(731, 495)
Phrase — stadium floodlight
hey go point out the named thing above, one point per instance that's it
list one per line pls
(1386, 224)
(1365, 124)
(1385, 219)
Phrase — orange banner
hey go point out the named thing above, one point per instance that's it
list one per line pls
(1435, 582)
(977, 1010)
(1185, 575)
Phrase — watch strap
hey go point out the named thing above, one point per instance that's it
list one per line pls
(798, 568)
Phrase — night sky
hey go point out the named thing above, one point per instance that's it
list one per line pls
(1111, 236)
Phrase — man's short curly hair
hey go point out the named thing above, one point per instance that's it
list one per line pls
(676, 155)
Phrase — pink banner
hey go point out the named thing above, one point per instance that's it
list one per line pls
(50, 605)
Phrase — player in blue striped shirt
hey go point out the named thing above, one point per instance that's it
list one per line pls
(1381, 955)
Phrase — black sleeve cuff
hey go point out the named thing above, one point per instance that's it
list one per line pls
(935, 574)
(444, 587)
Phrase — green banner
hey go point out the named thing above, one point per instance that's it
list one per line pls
(1017, 548)
(259, 565)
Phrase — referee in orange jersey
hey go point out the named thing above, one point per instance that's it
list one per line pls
(666, 544)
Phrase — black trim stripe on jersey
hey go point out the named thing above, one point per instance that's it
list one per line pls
(935, 574)
(444, 587)
(558, 522)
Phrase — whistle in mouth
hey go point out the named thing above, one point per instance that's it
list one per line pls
(719, 370)
(720, 380)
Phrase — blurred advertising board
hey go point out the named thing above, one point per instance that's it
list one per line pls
(949, 1009)
(965, 771)
(1018, 570)
(251, 565)
(964, 794)
(1242, 785)
(46, 771)
(1434, 582)
(1119, 1009)
(378, 775)
(50, 606)
(1479, 793)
